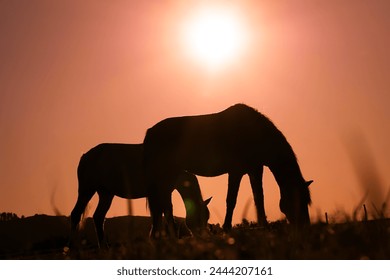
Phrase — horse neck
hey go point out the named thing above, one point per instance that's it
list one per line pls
(287, 171)
(190, 193)
(192, 198)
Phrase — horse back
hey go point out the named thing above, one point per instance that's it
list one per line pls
(113, 168)
(213, 144)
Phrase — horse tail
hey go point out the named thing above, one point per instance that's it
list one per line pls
(81, 167)
(80, 210)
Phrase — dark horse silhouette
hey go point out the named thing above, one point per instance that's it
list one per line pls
(237, 141)
(117, 170)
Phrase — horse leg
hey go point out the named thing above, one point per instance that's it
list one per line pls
(82, 200)
(258, 195)
(156, 212)
(231, 199)
(99, 216)
(168, 214)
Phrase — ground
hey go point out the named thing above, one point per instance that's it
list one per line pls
(46, 237)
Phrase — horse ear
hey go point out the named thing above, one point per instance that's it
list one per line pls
(308, 183)
(207, 201)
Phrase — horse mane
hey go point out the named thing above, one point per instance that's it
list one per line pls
(241, 108)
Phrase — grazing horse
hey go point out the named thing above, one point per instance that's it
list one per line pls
(237, 141)
(117, 170)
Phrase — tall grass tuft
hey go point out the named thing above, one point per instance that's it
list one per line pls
(364, 164)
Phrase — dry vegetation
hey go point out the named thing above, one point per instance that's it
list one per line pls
(45, 237)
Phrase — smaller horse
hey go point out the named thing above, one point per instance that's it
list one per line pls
(112, 169)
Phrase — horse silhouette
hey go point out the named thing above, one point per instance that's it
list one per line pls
(112, 169)
(237, 141)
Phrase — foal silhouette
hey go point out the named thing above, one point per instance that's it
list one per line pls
(112, 169)
(237, 141)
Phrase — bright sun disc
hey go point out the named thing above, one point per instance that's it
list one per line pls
(214, 37)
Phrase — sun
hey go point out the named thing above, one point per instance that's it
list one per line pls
(214, 37)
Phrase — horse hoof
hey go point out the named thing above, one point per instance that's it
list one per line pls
(263, 224)
(227, 228)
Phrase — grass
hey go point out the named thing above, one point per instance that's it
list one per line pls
(45, 237)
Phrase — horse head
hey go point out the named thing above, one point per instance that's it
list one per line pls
(198, 218)
(294, 203)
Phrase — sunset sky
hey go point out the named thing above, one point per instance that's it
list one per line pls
(77, 73)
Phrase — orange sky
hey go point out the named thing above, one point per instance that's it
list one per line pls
(73, 75)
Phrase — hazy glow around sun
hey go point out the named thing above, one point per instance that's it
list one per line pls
(214, 37)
